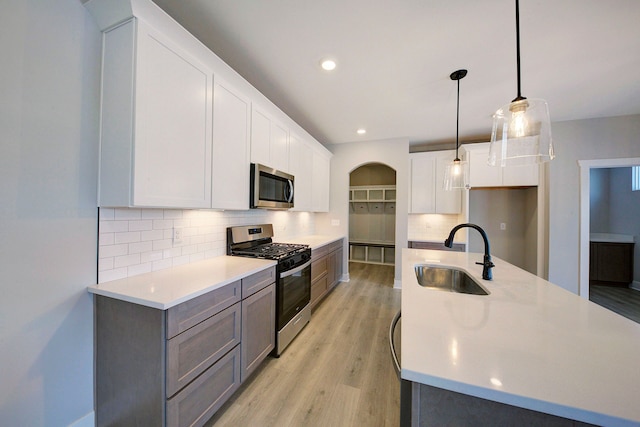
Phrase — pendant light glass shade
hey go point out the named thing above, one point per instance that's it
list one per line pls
(456, 174)
(521, 133)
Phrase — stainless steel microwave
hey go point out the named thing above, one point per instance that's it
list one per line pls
(270, 188)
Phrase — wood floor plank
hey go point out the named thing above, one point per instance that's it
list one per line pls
(337, 372)
(622, 300)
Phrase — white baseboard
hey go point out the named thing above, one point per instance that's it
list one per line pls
(88, 420)
(635, 285)
(397, 284)
(345, 277)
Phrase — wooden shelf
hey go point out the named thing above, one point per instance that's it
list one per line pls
(372, 193)
(372, 253)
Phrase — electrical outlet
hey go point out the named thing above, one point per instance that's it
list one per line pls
(503, 226)
(178, 233)
(335, 223)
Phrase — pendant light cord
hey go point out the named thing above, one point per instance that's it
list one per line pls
(519, 97)
(457, 75)
(457, 159)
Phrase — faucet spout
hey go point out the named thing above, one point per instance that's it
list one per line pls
(486, 263)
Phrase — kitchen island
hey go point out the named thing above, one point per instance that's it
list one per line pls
(530, 351)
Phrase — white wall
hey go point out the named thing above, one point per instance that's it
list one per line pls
(604, 138)
(49, 89)
(347, 157)
(599, 200)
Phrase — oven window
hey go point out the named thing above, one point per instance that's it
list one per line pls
(294, 293)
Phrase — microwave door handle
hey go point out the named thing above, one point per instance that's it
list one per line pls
(290, 198)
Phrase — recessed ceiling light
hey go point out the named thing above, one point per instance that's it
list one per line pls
(328, 64)
(361, 131)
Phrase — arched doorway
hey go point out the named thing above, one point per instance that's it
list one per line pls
(372, 214)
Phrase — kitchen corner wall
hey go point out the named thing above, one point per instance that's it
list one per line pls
(137, 241)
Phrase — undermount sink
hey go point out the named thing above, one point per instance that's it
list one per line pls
(448, 279)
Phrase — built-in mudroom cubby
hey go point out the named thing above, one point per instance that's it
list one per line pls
(372, 214)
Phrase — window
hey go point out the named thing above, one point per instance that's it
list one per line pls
(635, 178)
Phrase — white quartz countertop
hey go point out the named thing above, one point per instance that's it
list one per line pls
(314, 241)
(165, 288)
(529, 343)
(611, 238)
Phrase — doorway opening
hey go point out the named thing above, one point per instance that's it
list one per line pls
(372, 214)
(591, 177)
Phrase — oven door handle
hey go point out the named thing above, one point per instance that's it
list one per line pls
(295, 270)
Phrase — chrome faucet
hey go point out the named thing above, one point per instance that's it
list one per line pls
(487, 264)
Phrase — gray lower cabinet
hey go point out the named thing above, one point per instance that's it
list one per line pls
(177, 367)
(258, 328)
(456, 247)
(326, 270)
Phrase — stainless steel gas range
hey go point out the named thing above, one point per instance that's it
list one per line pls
(293, 276)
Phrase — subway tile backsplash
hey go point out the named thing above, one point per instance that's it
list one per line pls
(434, 227)
(137, 241)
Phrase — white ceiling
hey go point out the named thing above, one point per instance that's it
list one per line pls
(394, 60)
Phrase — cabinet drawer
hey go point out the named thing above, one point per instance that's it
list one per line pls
(183, 316)
(335, 246)
(319, 252)
(318, 268)
(203, 397)
(257, 281)
(193, 351)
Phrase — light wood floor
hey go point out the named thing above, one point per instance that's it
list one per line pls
(622, 300)
(337, 372)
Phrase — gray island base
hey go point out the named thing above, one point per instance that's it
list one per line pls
(432, 406)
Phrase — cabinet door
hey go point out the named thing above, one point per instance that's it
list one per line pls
(279, 147)
(518, 176)
(422, 183)
(173, 125)
(446, 201)
(300, 166)
(320, 182)
(231, 130)
(258, 329)
(260, 137)
(335, 267)
(480, 173)
(483, 175)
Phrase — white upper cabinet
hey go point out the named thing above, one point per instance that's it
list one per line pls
(231, 130)
(179, 127)
(301, 164)
(427, 179)
(156, 124)
(320, 181)
(269, 141)
(483, 175)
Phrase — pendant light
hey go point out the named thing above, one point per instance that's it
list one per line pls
(521, 133)
(456, 174)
